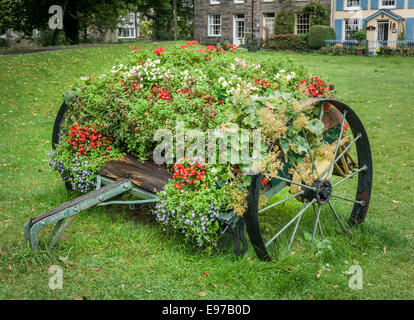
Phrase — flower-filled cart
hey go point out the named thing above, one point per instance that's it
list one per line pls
(220, 141)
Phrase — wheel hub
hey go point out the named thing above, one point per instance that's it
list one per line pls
(322, 191)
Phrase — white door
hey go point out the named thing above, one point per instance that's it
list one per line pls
(238, 30)
(382, 32)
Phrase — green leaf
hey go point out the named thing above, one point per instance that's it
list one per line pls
(233, 112)
(284, 144)
(315, 126)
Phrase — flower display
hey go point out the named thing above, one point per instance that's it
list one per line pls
(204, 88)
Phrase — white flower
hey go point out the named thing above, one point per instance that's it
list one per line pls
(281, 71)
(214, 170)
(277, 76)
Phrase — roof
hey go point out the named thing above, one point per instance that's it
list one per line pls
(386, 12)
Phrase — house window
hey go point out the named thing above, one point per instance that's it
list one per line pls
(214, 1)
(268, 24)
(387, 4)
(352, 4)
(302, 23)
(126, 32)
(214, 25)
(238, 1)
(351, 27)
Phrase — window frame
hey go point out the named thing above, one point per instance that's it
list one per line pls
(345, 23)
(354, 7)
(214, 2)
(209, 25)
(382, 6)
(302, 24)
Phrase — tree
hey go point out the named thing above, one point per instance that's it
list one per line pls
(27, 15)
(161, 11)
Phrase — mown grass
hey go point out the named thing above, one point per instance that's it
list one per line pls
(116, 253)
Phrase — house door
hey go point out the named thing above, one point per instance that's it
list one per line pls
(382, 32)
(238, 29)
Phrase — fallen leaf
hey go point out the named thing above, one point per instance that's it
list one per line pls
(202, 294)
(206, 274)
(10, 267)
(364, 254)
(319, 274)
(122, 286)
(226, 287)
(138, 286)
(334, 286)
(214, 285)
(395, 201)
(385, 249)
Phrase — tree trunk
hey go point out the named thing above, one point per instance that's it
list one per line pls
(71, 22)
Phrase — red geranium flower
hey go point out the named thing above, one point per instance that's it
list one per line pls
(158, 51)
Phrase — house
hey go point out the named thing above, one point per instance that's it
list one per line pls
(384, 21)
(232, 20)
(129, 27)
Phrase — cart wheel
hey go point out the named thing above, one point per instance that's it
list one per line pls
(341, 189)
(61, 121)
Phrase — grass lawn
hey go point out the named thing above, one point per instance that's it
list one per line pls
(115, 253)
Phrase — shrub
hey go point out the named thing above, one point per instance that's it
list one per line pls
(48, 38)
(318, 34)
(360, 36)
(285, 22)
(287, 42)
(4, 43)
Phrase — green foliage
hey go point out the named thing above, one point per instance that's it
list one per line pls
(285, 22)
(50, 37)
(202, 88)
(318, 13)
(27, 15)
(287, 42)
(4, 43)
(359, 36)
(146, 28)
(318, 34)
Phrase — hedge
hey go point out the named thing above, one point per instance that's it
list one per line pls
(318, 34)
(287, 42)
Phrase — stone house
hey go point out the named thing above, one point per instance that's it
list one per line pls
(232, 20)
